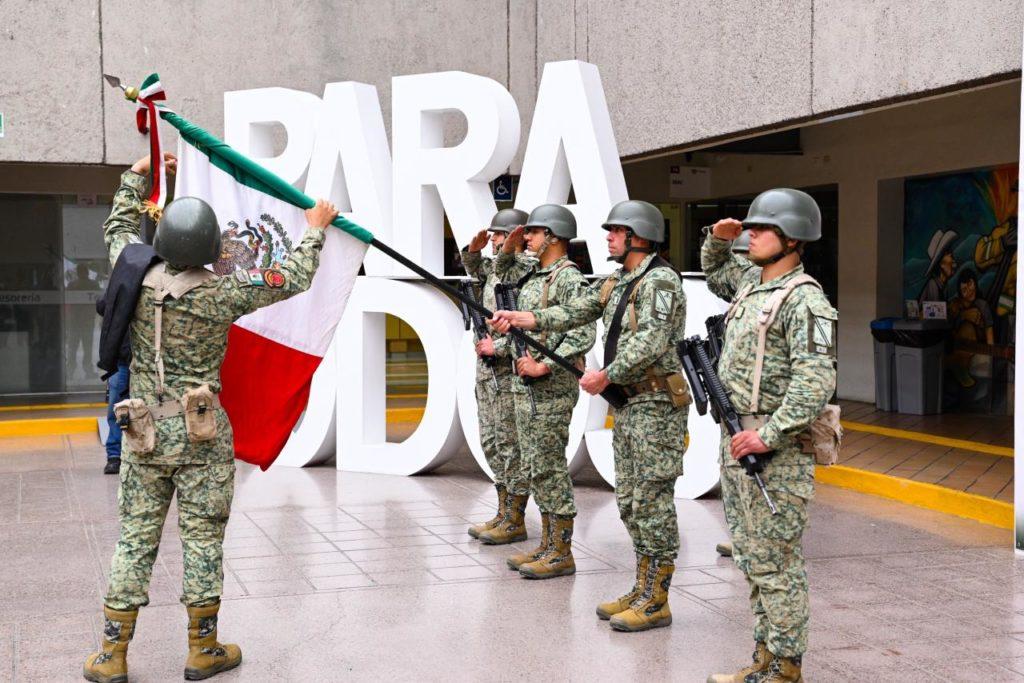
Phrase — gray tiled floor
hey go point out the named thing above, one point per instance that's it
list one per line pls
(334, 576)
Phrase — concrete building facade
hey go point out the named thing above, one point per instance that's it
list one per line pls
(879, 90)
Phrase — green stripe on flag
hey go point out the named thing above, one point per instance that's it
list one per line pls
(150, 80)
(249, 173)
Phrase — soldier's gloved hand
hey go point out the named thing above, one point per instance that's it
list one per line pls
(528, 367)
(746, 442)
(478, 242)
(727, 229)
(594, 381)
(503, 321)
(485, 347)
(321, 215)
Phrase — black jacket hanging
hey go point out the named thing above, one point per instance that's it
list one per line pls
(117, 305)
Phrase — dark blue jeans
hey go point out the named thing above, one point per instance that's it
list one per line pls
(117, 391)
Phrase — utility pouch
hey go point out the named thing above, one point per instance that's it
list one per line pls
(136, 421)
(200, 406)
(678, 390)
(823, 438)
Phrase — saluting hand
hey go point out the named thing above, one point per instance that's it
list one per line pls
(514, 243)
(747, 442)
(727, 229)
(478, 242)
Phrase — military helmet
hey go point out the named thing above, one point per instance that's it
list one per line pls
(188, 233)
(556, 218)
(793, 212)
(741, 245)
(508, 220)
(643, 218)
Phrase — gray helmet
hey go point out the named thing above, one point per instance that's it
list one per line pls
(643, 218)
(741, 245)
(556, 218)
(188, 233)
(793, 212)
(508, 220)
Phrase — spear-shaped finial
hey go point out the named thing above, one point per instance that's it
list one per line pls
(130, 93)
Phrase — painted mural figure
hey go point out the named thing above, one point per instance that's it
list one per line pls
(942, 265)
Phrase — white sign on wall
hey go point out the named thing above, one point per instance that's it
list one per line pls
(337, 148)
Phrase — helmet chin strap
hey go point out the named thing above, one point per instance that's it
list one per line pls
(650, 249)
(783, 253)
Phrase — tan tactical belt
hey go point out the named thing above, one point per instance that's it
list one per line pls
(647, 386)
(172, 408)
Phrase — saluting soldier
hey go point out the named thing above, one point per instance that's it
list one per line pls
(644, 312)
(777, 367)
(544, 433)
(495, 406)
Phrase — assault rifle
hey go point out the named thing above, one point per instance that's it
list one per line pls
(707, 389)
(716, 336)
(507, 299)
(472, 317)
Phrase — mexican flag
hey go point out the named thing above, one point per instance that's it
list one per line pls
(273, 352)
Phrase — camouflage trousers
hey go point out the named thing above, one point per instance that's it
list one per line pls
(204, 503)
(768, 550)
(649, 439)
(496, 415)
(542, 442)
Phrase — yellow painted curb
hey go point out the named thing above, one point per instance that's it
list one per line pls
(919, 494)
(404, 414)
(48, 427)
(51, 406)
(928, 438)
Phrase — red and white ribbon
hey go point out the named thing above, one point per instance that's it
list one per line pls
(147, 118)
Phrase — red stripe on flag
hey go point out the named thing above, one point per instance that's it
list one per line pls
(265, 390)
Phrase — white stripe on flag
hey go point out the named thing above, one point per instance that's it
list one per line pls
(254, 221)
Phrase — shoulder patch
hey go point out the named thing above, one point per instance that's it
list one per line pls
(663, 303)
(822, 322)
(275, 279)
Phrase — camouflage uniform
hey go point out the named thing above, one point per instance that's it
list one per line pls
(496, 407)
(195, 335)
(795, 386)
(650, 433)
(543, 438)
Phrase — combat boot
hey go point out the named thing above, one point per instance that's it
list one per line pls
(519, 559)
(558, 560)
(207, 657)
(762, 658)
(783, 670)
(110, 665)
(606, 610)
(724, 549)
(650, 608)
(512, 527)
(475, 530)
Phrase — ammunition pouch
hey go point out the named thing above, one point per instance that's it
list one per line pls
(823, 438)
(200, 408)
(136, 421)
(674, 385)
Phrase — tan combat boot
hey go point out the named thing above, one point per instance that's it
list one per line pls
(606, 610)
(207, 657)
(558, 560)
(724, 549)
(512, 527)
(110, 665)
(783, 670)
(762, 658)
(519, 559)
(650, 608)
(475, 530)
